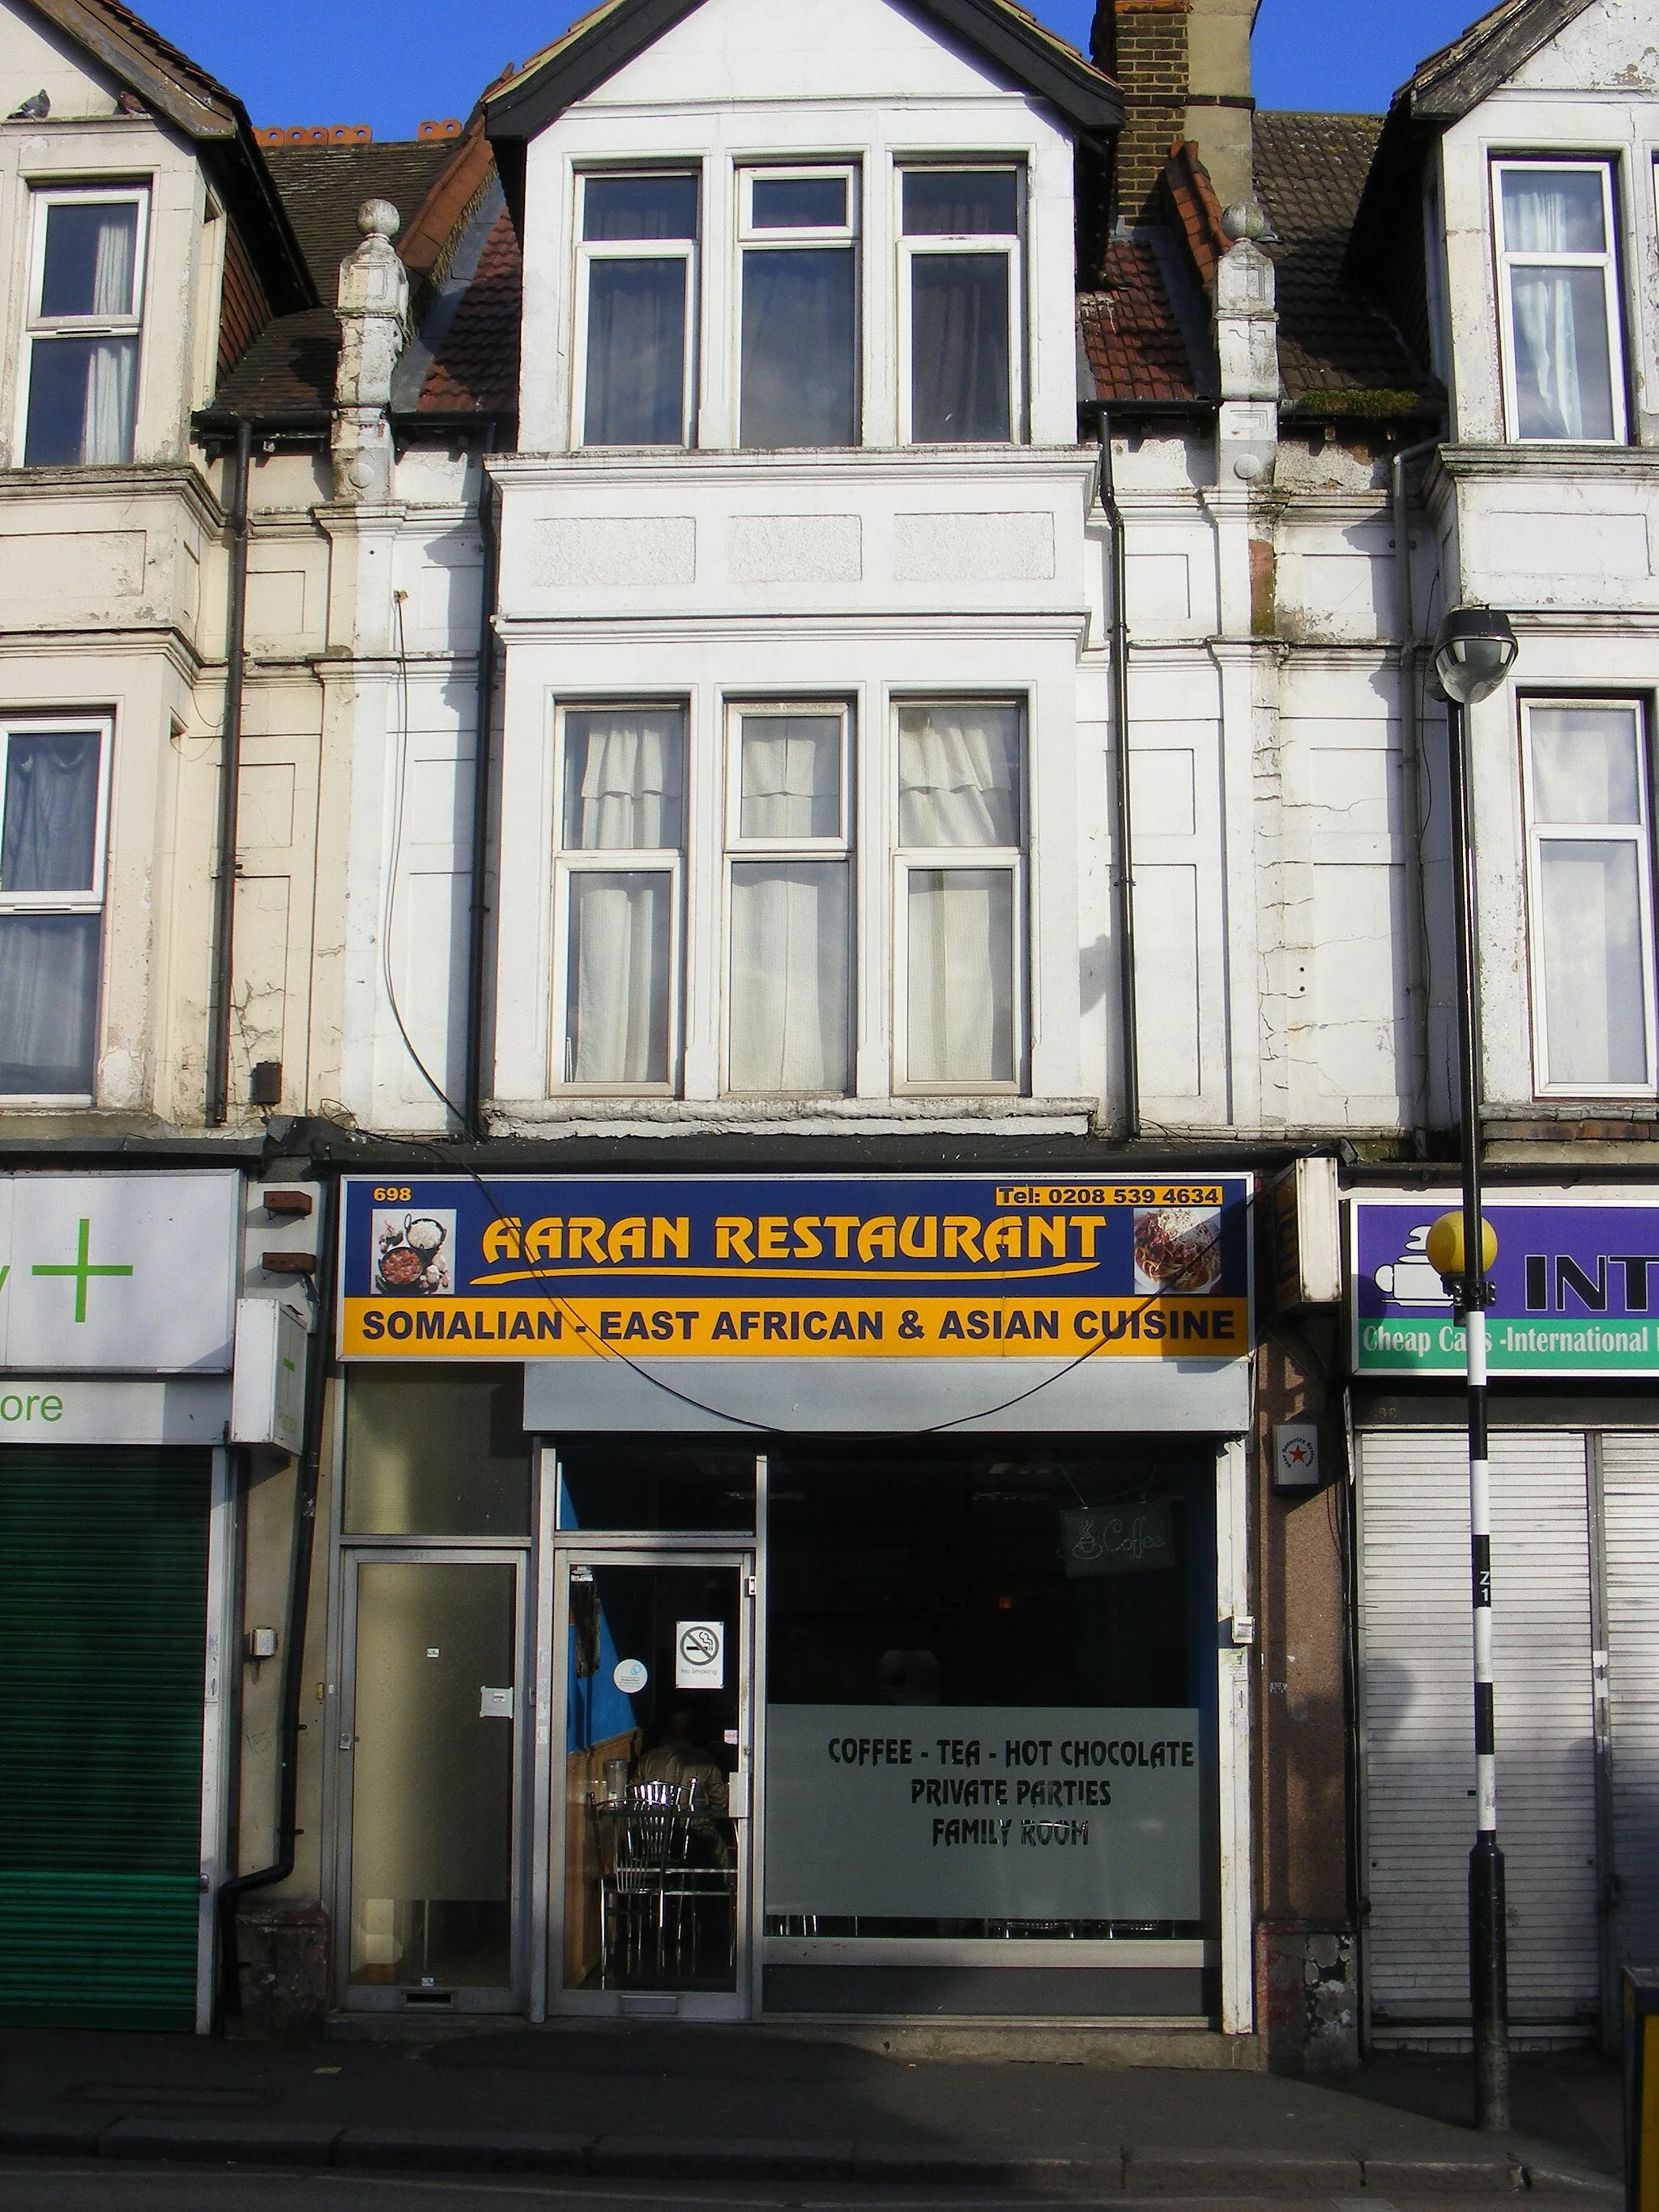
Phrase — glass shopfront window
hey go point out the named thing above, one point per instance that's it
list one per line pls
(614, 1483)
(990, 1691)
(432, 1452)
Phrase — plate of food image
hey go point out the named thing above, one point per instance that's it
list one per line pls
(409, 1260)
(1177, 1249)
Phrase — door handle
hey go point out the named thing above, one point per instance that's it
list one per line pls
(737, 1796)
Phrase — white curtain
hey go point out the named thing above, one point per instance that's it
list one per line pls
(791, 776)
(1595, 1002)
(1563, 377)
(789, 979)
(959, 776)
(624, 793)
(624, 781)
(113, 363)
(107, 426)
(960, 984)
(621, 943)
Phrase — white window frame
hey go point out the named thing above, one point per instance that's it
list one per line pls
(588, 251)
(751, 241)
(91, 901)
(1606, 261)
(616, 860)
(1638, 834)
(982, 858)
(42, 198)
(739, 848)
(937, 243)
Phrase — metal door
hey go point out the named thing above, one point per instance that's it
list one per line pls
(650, 1861)
(1419, 1734)
(431, 1782)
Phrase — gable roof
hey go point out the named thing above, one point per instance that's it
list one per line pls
(180, 92)
(1441, 91)
(612, 34)
(1455, 80)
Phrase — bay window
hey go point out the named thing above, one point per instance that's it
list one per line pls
(789, 899)
(620, 897)
(960, 292)
(636, 286)
(1558, 299)
(960, 896)
(1589, 867)
(799, 380)
(53, 805)
(85, 310)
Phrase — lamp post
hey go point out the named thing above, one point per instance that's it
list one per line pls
(1473, 654)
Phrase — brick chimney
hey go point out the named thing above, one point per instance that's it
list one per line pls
(1185, 68)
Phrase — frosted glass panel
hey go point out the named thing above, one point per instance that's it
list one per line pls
(432, 1793)
(1586, 764)
(434, 1453)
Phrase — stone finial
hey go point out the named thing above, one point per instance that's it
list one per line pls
(373, 306)
(1246, 333)
(1247, 219)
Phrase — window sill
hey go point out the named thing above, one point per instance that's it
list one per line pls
(693, 1117)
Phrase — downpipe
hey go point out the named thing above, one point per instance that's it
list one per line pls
(1122, 805)
(299, 1607)
(1411, 775)
(478, 914)
(230, 781)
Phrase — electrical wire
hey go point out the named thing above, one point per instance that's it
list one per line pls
(394, 867)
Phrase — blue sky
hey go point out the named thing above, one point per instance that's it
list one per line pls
(313, 61)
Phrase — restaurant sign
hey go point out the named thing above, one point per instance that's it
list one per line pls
(1576, 1284)
(697, 1268)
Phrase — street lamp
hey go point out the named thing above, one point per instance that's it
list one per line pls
(1474, 653)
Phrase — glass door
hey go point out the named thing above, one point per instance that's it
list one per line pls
(650, 1846)
(429, 1758)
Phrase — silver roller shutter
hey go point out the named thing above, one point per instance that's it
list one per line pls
(1630, 1535)
(1416, 1715)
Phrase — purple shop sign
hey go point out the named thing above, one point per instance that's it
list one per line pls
(1578, 1288)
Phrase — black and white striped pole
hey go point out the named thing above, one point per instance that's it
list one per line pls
(1473, 654)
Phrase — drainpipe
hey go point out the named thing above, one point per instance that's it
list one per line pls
(230, 778)
(1122, 820)
(299, 1605)
(477, 940)
(1411, 749)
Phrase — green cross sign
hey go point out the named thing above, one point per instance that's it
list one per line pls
(82, 1270)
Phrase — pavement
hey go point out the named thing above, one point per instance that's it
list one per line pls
(640, 2110)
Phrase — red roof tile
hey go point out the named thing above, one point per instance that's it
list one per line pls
(477, 364)
(1131, 333)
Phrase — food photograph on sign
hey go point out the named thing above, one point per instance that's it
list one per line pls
(798, 1268)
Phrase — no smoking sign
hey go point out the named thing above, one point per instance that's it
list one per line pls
(700, 1655)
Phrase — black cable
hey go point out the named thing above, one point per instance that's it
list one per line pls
(395, 863)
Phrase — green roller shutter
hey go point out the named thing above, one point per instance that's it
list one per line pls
(103, 1618)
